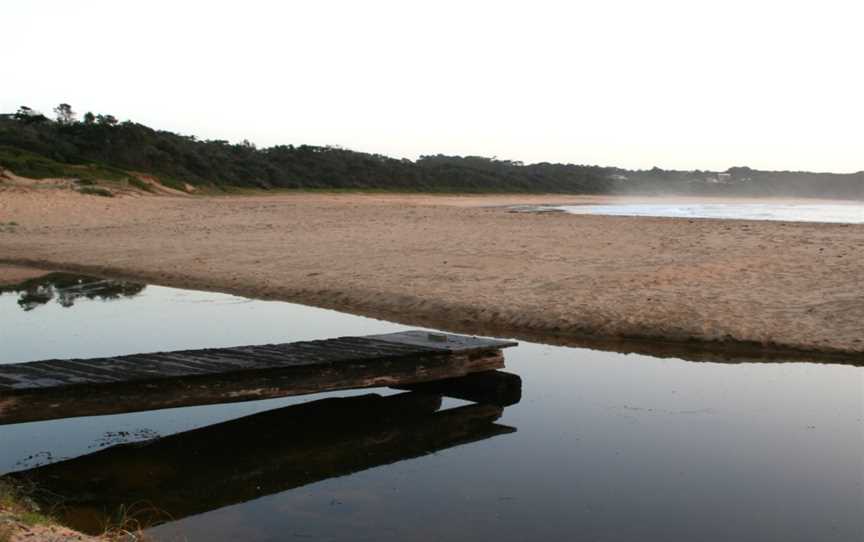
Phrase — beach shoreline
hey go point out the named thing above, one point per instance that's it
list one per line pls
(469, 264)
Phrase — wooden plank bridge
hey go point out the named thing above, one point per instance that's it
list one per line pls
(53, 389)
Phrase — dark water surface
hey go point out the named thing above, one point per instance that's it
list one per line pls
(602, 446)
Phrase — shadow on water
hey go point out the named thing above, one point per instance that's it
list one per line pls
(66, 288)
(189, 473)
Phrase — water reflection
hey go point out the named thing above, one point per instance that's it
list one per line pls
(205, 469)
(610, 446)
(66, 289)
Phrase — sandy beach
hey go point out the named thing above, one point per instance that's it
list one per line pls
(467, 263)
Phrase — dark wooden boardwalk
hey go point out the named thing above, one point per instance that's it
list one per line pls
(78, 387)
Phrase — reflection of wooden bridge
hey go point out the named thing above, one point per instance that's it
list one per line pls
(205, 469)
(54, 389)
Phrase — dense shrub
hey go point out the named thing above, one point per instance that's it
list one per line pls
(102, 148)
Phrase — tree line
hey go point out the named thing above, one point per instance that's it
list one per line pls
(103, 139)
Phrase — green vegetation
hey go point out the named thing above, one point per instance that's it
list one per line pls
(8, 495)
(36, 166)
(34, 518)
(172, 183)
(101, 148)
(17, 506)
(33, 145)
(139, 184)
(32, 165)
(96, 191)
(15, 500)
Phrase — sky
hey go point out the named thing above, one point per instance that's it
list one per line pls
(675, 84)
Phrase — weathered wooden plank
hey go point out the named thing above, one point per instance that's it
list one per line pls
(489, 387)
(55, 374)
(446, 341)
(154, 394)
(216, 466)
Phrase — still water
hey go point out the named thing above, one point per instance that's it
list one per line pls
(602, 445)
(852, 213)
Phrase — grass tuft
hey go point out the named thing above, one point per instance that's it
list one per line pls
(139, 184)
(32, 519)
(173, 183)
(125, 525)
(9, 495)
(15, 500)
(96, 191)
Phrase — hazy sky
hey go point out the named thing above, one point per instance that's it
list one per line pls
(677, 84)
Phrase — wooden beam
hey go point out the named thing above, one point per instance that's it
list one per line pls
(97, 400)
(488, 387)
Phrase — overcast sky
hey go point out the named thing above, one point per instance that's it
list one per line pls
(677, 84)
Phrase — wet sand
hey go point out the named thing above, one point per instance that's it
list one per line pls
(469, 263)
(11, 275)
